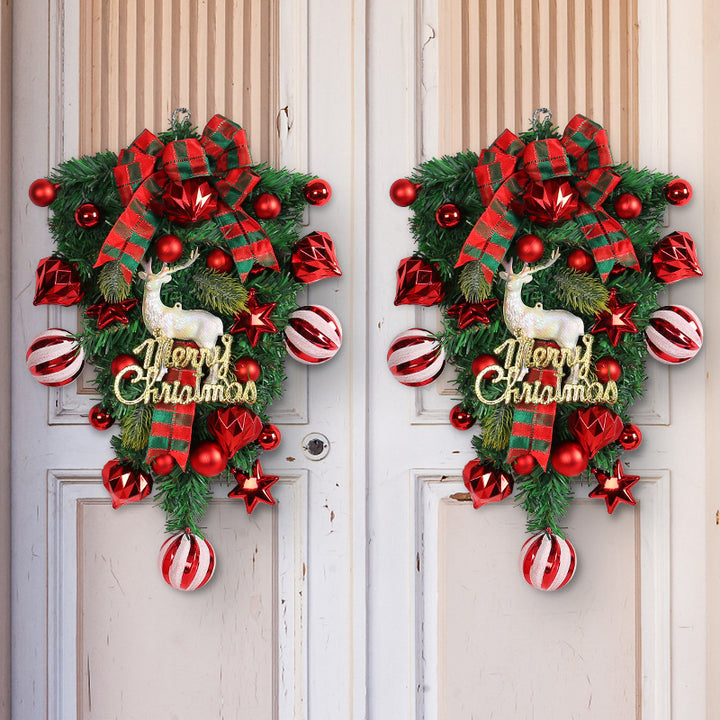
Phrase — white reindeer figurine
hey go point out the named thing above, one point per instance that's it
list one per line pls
(199, 326)
(535, 322)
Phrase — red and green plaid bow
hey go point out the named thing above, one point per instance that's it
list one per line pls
(509, 166)
(146, 167)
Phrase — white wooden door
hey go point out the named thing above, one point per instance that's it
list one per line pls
(454, 631)
(97, 634)
(374, 593)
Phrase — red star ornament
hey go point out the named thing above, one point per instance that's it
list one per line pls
(108, 313)
(614, 488)
(255, 320)
(253, 488)
(470, 313)
(616, 319)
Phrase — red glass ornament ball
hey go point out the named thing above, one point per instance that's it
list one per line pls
(207, 458)
(163, 464)
(403, 192)
(267, 206)
(318, 192)
(568, 458)
(42, 192)
(628, 206)
(461, 418)
(524, 464)
(483, 361)
(608, 368)
(678, 192)
(247, 368)
(219, 260)
(169, 248)
(631, 437)
(529, 248)
(88, 216)
(269, 437)
(120, 362)
(100, 418)
(580, 260)
(448, 216)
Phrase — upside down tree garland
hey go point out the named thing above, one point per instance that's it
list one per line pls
(185, 260)
(546, 259)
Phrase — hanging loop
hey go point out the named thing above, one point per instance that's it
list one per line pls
(536, 119)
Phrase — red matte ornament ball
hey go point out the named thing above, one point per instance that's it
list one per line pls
(219, 261)
(88, 216)
(568, 458)
(163, 464)
(267, 206)
(678, 192)
(529, 248)
(100, 418)
(608, 368)
(247, 368)
(460, 418)
(580, 260)
(631, 437)
(42, 192)
(524, 464)
(403, 192)
(207, 458)
(120, 362)
(318, 192)
(483, 361)
(169, 248)
(628, 206)
(269, 437)
(448, 216)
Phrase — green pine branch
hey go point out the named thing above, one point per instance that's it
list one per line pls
(475, 288)
(136, 427)
(112, 282)
(222, 292)
(582, 292)
(497, 426)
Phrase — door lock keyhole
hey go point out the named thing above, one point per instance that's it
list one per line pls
(315, 446)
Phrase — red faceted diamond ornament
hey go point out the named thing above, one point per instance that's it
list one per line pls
(675, 258)
(57, 283)
(552, 201)
(124, 483)
(313, 258)
(486, 483)
(595, 427)
(189, 201)
(253, 488)
(418, 283)
(234, 427)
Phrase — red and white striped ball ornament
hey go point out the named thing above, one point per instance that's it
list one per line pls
(674, 335)
(547, 561)
(415, 357)
(55, 358)
(186, 561)
(313, 334)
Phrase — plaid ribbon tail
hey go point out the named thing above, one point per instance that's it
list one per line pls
(490, 239)
(608, 240)
(172, 423)
(130, 236)
(532, 428)
(246, 241)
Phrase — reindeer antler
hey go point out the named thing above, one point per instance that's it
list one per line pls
(193, 257)
(553, 258)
